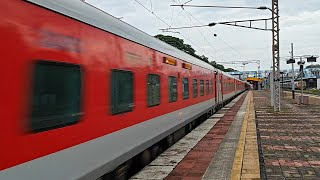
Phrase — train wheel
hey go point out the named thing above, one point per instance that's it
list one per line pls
(193, 124)
(155, 151)
(170, 140)
(179, 134)
(189, 127)
(121, 173)
(146, 157)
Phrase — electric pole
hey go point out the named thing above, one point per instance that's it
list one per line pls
(272, 87)
(276, 53)
(292, 80)
(301, 63)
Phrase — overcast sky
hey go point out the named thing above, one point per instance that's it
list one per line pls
(299, 24)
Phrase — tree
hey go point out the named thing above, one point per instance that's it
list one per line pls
(179, 43)
(218, 66)
(230, 70)
(204, 58)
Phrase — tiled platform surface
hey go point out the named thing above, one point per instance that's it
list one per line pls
(289, 140)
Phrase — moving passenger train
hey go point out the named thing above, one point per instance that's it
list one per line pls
(85, 95)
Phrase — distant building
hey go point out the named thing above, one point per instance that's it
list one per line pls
(310, 75)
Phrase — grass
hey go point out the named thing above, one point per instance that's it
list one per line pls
(310, 91)
(313, 91)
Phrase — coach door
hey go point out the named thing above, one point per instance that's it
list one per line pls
(220, 88)
(216, 84)
(234, 87)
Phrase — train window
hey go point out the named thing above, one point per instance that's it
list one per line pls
(173, 90)
(121, 91)
(185, 88)
(56, 97)
(153, 86)
(211, 87)
(201, 87)
(207, 87)
(195, 87)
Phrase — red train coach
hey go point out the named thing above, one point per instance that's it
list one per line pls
(84, 92)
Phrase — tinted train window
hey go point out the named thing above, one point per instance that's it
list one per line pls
(173, 93)
(153, 86)
(195, 87)
(185, 88)
(211, 87)
(207, 86)
(121, 91)
(56, 97)
(201, 87)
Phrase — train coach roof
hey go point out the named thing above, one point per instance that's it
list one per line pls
(100, 19)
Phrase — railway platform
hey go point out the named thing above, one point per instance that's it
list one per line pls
(289, 140)
(247, 140)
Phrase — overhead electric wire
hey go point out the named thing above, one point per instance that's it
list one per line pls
(187, 2)
(176, 17)
(213, 33)
(204, 37)
(200, 31)
(218, 37)
(185, 27)
(230, 7)
(315, 51)
(169, 26)
(151, 5)
(152, 12)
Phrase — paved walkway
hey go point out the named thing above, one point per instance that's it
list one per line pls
(289, 140)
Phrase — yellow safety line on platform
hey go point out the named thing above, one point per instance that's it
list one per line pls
(237, 163)
(246, 162)
(250, 165)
